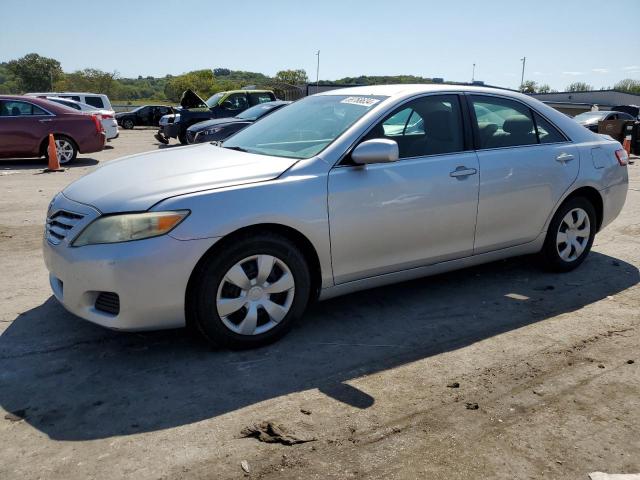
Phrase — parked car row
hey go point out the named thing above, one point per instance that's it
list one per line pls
(194, 109)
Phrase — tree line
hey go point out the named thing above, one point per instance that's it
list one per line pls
(35, 73)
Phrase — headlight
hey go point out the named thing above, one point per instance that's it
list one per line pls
(176, 119)
(213, 130)
(129, 226)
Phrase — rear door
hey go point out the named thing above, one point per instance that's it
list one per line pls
(23, 125)
(526, 165)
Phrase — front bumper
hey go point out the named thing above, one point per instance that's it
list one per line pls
(170, 130)
(149, 276)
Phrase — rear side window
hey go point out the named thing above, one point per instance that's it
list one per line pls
(94, 101)
(10, 108)
(547, 133)
(503, 123)
(430, 125)
(72, 97)
(261, 97)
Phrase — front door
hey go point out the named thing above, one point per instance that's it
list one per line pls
(417, 211)
(526, 166)
(23, 125)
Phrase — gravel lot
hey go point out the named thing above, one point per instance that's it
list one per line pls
(546, 368)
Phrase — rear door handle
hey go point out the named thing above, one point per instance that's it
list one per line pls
(463, 172)
(564, 157)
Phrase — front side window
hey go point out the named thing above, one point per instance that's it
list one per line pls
(11, 108)
(430, 125)
(235, 101)
(503, 123)
(304, 128)
(94, 102)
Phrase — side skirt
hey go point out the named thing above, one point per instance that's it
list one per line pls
(428, 270)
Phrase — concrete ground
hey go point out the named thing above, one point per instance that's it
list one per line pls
(500, 371)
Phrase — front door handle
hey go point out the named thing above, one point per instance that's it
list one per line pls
(463, 172)
(564, 157)
(45, 120)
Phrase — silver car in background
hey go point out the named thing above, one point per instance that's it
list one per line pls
(341, 191)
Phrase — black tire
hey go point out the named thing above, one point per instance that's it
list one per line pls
(128, 124)
(69, 141)
(182, 136)
(202, 309)
(550, 252)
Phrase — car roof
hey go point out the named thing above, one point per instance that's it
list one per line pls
(410, 88)
(66, 93)
(247, 91)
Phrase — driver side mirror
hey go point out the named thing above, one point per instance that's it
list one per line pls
(377, 150)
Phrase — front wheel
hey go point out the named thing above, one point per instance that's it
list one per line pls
(128, 124)
(251, 292)
(570, 235)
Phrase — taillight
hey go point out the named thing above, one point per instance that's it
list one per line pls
(97, 122)
(623, 157)
(106, 115)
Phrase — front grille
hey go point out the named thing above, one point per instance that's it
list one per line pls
(59, 224)
(108, 302)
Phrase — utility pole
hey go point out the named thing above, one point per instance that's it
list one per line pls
(318, 71)
(524, 61)
(473, 73)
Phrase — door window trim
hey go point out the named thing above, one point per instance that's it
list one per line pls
(467, 144)
(533, 112)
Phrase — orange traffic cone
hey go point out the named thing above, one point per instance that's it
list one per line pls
(626, 144)
(54, 163)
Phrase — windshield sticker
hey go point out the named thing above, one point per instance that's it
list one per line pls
(362, 101)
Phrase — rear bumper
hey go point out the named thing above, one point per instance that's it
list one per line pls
(94, 143)
(613, 199)
(149, 276)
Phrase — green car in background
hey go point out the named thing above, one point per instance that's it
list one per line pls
(194, 109)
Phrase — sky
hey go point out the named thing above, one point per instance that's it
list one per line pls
(564, 41)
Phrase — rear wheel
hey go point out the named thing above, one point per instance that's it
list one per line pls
(570, 235)
(251, 292)
(127, 124)
(66, 149)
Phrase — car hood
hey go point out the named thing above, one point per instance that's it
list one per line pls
(196, 127)
(138, 182)
(191, 99)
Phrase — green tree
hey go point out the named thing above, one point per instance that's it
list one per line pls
(529, 86)
(628, 85)
(35, 73)
(579, 87)
(544, 88)
(292, 77)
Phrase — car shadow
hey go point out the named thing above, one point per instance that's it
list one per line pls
(41, 163)
(75, 381)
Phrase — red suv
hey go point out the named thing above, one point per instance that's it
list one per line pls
(26, 122)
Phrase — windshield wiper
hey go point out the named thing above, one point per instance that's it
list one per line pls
(239, 149)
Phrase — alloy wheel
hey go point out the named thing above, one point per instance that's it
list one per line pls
(573, 234)
(255, 294)
(65, 150)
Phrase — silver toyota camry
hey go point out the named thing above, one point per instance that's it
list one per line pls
(341, 191)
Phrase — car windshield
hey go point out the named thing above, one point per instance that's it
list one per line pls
(214, 99)
(256, 112)
(305, 127)
(589, 116)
